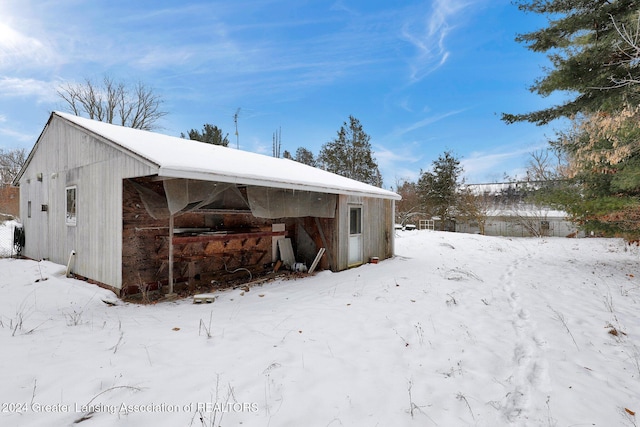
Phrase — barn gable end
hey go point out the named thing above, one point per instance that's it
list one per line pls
(67, 156)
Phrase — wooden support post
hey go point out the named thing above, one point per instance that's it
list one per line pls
(171, 294)
(324, 242)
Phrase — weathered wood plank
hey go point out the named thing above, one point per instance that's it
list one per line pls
(226, 237)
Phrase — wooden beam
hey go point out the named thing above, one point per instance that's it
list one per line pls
(324, 242)
(223, 237)
(171, 254)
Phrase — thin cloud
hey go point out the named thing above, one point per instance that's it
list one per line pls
(426, 122)
(397, 163)
(18, 87)
(480, 165)
(20, 136)
(429, 37)
(346, 49)
(385, 156)
(404, 175)
(18, 50)
(340, 6)
(220, 45)
(405, 104)
(485, 162)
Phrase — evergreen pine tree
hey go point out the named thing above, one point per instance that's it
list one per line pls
(603, 194)
(350, 155)
(210, 134)
(590, 59)
(594, 52)
(438, 189)
(305, 156)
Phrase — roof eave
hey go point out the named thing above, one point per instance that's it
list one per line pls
(169, 172)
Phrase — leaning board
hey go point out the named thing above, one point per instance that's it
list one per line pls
(286, 252)
(316, 260)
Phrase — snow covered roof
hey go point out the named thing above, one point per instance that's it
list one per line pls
(497, 188)
(528, 212)
(181, 158)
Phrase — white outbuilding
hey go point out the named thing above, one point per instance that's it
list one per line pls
(131, 209)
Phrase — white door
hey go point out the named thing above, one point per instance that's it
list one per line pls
(355, 235)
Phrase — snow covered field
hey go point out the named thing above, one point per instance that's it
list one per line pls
(456, 330)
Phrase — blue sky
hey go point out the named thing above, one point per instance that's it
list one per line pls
(421, 76)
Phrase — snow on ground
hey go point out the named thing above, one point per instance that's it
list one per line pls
(6, 237)
(456, 330)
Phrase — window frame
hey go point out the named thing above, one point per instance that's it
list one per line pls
(355, 221)
(71, 215)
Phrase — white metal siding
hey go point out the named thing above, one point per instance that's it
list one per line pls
(377, 228)
(65, 155)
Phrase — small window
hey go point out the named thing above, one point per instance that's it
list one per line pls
(544, 225)
(71, 214)
(355, 221)
(29, 209)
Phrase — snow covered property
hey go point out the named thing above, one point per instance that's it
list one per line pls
(128, 209)
(456, 330)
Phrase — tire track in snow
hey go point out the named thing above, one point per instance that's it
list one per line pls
(529, 367)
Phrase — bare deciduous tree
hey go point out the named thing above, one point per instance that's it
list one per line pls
(11, 161)
(532, 219)
(547, 165)
(410, 205)
(114, 102)
(475, 207)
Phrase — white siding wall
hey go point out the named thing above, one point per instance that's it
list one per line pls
(377, 228)
(65, 155)
(511, 227)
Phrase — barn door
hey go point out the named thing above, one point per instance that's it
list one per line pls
(355, 235)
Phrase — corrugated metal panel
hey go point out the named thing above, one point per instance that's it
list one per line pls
(66, 156)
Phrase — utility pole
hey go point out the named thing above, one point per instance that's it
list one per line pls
(235, 120)
(277, 142)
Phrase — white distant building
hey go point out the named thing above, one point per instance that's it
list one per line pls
(507, 213)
